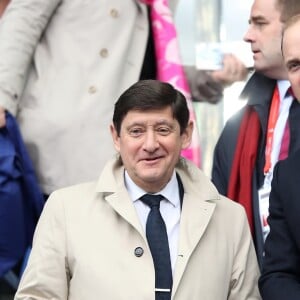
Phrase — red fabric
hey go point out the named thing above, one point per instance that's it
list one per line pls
(240, 182)
(284, 148)
(285, 143)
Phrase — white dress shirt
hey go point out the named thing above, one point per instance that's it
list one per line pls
(264, 192)
(169, 208)
(284, 108)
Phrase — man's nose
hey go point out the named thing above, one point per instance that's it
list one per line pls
(248, 36)
(151, 141)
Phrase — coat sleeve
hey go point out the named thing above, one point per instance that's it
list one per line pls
(281, 272)
(21, 28)
(224, 152)
(47, 273)
(245, 271)
(220, 167)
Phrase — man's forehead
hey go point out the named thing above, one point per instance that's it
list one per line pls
(150, 113)
(291, 41)
(264, 9)
(149, 118)
(292, 26)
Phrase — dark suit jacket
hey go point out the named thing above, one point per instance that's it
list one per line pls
(281, 265)
(258, 93)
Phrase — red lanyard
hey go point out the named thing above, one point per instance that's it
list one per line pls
(274, 111)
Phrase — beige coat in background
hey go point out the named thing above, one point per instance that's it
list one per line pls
(72, 72)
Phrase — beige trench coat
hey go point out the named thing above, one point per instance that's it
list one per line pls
(84, 246)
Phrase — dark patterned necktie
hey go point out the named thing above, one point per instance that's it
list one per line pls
(159, 246)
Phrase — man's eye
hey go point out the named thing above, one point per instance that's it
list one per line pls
(292, 67)
(136, 131)
(163, 130)
(260, 24)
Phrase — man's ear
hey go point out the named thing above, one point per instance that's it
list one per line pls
(186, 136)
(115, 137)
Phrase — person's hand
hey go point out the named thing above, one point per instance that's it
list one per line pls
(233, 70)
(3, 4)
(2, 117)
(203, 87)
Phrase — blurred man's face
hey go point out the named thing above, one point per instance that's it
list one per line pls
(291, 55)
(264, 35)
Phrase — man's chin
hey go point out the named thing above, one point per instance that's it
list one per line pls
(150, 175)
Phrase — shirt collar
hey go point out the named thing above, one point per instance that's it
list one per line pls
(283, 86)
(170, 191)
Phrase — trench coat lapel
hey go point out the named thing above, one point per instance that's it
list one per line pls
(123, 205)
(195, 217)
(111, 184)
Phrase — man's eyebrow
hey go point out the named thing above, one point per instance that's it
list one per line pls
(256, 19)
(158, 123)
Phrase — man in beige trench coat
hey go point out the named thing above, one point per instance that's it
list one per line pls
(90, 242)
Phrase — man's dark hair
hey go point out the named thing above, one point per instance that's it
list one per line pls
(288, 9)
(290, 22)
(151, 94)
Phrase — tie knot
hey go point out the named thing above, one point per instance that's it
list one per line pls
(152, 200)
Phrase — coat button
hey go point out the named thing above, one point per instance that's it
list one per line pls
(138, 251)
(114, 13)
(103, 52)
(92, 89)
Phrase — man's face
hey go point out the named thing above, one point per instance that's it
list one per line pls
(291, 55)
(264, 35)
(150, 144)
